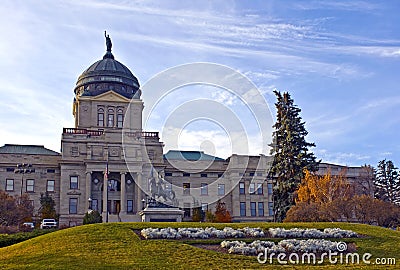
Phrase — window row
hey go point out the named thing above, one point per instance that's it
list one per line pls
(204, 189)
(29, 185)
(111, 116)
(256, 207)
(253, 189)
(219, 175)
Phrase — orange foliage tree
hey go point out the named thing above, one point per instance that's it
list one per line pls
(221, 214)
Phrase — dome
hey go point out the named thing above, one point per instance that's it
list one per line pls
(105, 75)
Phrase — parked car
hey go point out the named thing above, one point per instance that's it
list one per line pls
(30, 225)
(48, 223)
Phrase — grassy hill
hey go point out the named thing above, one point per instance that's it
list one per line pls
(117, 246)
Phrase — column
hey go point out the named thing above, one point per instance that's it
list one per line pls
(88, 188)
(138, 190)
(123, 193)
(105, 199)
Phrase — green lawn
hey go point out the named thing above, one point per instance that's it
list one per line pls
(116, 246)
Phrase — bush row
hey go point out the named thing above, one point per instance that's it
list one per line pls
(11, 239)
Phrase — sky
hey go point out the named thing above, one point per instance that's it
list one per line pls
(339, 60)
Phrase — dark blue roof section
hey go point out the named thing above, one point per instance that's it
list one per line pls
(27, 149)
(189, 155)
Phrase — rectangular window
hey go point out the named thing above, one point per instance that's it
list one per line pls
(271, 208)
(129, 206)
(10, 169)
(9, 184)
(220, 175)
(73, 182)
(50, 185)
(100, 119)
(204, 189)
(203, 175)
(204, 207)
(259, 174)
(241, 188)
(221, 189)
(30, 185)
(253, 209)
(168, 174)
(252, 188)
(73, 205)
(95, 205)
(120, 120)
(242, 209)
(110, 122)
(260, 189)
(51, 171)
(261, 209)
(186, 174)
(251, 174)
(186, 188)
(269, 185)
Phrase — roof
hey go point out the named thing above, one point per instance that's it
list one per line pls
(189, 155)
(27, 149)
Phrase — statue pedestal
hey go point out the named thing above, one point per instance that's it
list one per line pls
(155, 214)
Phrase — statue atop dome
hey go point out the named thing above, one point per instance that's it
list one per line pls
(108, 41)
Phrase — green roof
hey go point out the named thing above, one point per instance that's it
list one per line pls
(27, 149)
(189, 155)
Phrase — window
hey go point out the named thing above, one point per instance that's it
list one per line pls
(253, 209)
(51, 171)
(100, 118)
(30, 185)
(50, 185)
(221, 189)
(113, 185)
(241, 188)
(259, 174)
(95, 205)
(186, 174)
(10, 169)
(129, 206)
(261, 209)
(271, 208)
(73, 182)
(73, 205)
(203, 175)
(204, 207)
(120, 119)
(242, 209)
(260, 189)
(168, 174)
(220, 175)
(9, 184)
(186, 188)
(269, 185)
(251, 174)
(252, 188)
(204, 189)
(110, 118)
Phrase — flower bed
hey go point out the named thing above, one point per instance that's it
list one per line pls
(311, 233)
(227, 232)
(201, 233)
(284, 246)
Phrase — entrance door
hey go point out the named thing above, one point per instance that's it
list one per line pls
(117, 206)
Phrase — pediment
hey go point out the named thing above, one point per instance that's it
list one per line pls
(108, 96)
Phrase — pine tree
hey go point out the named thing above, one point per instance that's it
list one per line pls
(387, 182)
(291, 154)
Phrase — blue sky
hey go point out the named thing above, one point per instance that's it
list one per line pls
(340, 61)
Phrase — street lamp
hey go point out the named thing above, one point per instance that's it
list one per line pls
(23, 168)
(90, 203)
(143, 203)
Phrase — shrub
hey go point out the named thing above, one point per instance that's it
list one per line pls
(92, 217)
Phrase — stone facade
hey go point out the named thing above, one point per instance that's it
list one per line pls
(107, 160)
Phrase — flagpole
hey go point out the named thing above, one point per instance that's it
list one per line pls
(106, 182)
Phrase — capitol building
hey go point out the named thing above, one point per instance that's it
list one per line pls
(110, 164)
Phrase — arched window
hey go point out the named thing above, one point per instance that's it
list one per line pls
(100, 117)
(110, 122)
(120, 118)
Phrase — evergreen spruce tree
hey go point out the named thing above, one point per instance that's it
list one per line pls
(47, 206)
(387, 182)
(291, 154)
